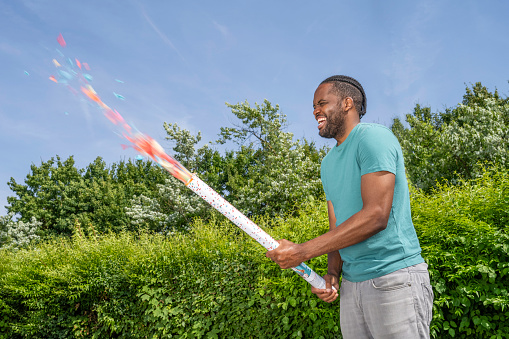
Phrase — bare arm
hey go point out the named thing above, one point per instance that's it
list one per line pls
(377, 191)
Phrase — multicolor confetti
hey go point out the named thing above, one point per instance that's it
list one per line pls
(69, 71)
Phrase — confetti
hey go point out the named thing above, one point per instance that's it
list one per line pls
(121, 97)
(78, 63)
(55, 62)
(119, 81)
(65, 74)
(61, 40)
(26, 73)
(139, 157)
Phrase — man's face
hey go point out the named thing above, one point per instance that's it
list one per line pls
(328, 112)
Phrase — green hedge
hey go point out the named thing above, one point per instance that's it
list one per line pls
(216, 282)
(464, 237)
(213, 283)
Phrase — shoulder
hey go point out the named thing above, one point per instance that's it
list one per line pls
(376, 135)
(378, 149)
(367, 130)
(377, 139)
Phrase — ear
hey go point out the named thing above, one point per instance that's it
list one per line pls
(348, 104)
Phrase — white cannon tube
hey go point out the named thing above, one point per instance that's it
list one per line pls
(245, 224)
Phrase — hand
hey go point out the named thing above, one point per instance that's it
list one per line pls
(287, 254)
(328, 294)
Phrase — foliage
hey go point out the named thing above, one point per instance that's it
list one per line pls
(57, 194)
(464, 238)
(17, 234)
(283, 173)
(172, 209)
(212, 282)
(455, 144)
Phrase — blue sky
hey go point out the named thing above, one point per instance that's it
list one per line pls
(180, 61)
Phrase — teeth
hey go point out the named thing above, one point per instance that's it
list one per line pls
(320, 120)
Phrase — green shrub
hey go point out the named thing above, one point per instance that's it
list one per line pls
(464, 238)
(214, 282)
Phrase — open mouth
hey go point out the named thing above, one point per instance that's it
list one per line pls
(321, 122)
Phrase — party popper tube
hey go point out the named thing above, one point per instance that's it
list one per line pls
(245, 224)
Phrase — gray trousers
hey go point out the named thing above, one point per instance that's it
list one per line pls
(396, 305)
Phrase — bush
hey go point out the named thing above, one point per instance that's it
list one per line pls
(463, 234)
(213, 282)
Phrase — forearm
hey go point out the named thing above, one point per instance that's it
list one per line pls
(357, 228)
(334, 263)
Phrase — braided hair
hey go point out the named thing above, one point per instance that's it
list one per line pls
(345, 86)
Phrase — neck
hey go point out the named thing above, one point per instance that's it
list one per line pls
(350, 122)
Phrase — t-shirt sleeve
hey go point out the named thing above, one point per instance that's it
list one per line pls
(378, 151)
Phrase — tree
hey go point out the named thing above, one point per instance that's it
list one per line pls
(56, 194)
(267, 174)
(282, 173)
(455, 144)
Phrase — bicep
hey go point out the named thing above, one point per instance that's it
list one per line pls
(377, 190)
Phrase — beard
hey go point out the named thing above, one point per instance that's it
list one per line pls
(335, 125)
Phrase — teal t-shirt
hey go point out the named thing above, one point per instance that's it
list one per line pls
(371, 148)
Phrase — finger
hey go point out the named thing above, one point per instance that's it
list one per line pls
(323, 294)
(328, 297)
(270, 254)
(316, 291)
(331, 298)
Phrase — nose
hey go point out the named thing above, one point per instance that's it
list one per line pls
(316, 110)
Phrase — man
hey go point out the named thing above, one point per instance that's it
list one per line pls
(385, 289)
